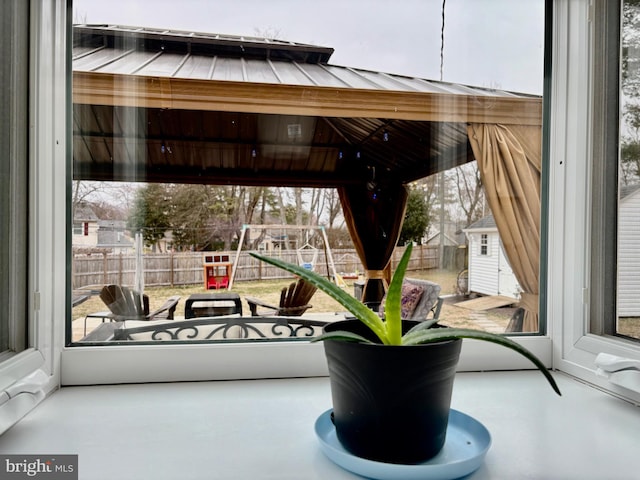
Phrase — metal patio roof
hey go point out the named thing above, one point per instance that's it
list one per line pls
(170, 106)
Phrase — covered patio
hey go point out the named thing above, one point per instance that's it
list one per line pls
(185, 107)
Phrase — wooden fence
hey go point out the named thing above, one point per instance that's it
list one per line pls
(173, 269)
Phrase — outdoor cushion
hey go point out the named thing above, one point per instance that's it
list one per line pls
(411, 295)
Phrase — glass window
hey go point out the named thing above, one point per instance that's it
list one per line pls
(33, 109)
(616, 178)
(592, 180)
(190, 172)
(183, 135)
(628, 198)
(14, 81)
(484, 244)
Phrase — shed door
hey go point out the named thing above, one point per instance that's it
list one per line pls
(507, 283)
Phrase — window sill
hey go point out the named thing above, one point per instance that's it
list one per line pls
(264, 429)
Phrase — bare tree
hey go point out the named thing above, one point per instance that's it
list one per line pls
(333, 205)
(104, 196)
(469, 191)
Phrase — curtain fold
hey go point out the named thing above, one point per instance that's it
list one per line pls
(510, 163)
(374, 219)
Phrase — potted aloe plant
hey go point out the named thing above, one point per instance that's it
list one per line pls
(391, 379)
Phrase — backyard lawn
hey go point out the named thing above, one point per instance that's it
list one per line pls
(269, 291)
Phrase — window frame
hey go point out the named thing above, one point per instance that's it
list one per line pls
(27, 377)
(578, 136)
(484, 245)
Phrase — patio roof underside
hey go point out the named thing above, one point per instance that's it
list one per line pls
(138, 119)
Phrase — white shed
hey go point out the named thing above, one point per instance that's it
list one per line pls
(489, 270)
(629, 252)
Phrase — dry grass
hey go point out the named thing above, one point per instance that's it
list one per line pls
(269, 291)
(629, 326)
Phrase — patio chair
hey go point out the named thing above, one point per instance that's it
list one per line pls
(127, 304)
(516, 322)
(294, 301)
(420, 300)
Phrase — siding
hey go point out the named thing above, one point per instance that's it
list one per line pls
(629, 256)
(483, 269)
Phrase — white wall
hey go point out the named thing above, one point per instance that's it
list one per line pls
(91, 239)
(629, 256)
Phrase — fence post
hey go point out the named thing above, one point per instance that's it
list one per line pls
(73, 270)
(104, 268)
(120, 268)
(171, 268)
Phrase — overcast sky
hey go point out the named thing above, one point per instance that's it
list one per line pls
(488, 43)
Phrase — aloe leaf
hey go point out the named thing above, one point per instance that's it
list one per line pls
(422, 326)
(393, 304)
(342, 335)
(438, 334)
(360, 310)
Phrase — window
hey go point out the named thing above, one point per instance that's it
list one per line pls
(14, 77)
(151, 148)
(81, 228)
(598, 175)
(627, 323)
(33, 141)
(484, 244)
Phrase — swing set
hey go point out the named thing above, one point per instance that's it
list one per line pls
(307, 254)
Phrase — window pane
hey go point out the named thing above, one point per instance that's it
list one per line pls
(182, 138)
(13, 173)
(628, 323)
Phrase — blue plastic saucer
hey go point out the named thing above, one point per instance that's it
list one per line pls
(464, 450)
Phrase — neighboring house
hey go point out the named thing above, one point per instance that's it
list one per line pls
(91, 232)
(489, 270)
(448, 240)
(273, 240)
(85, 226)
(629, 251)
(453, 235)
(112, 234)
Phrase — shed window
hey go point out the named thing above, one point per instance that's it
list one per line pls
(484, 244)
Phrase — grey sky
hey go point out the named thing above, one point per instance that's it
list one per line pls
(488, 43)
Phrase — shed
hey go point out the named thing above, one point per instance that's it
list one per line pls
(489, 270)
(629, 251)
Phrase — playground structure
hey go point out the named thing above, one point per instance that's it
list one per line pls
(217, 271)
(351, 262)
(307, 254)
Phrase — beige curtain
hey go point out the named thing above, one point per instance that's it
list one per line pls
(509, 159)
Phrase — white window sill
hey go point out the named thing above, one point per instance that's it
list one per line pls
(262, 429)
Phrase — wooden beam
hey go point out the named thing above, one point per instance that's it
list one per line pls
(193, 94)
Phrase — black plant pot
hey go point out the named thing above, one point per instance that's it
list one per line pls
(390, 403)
